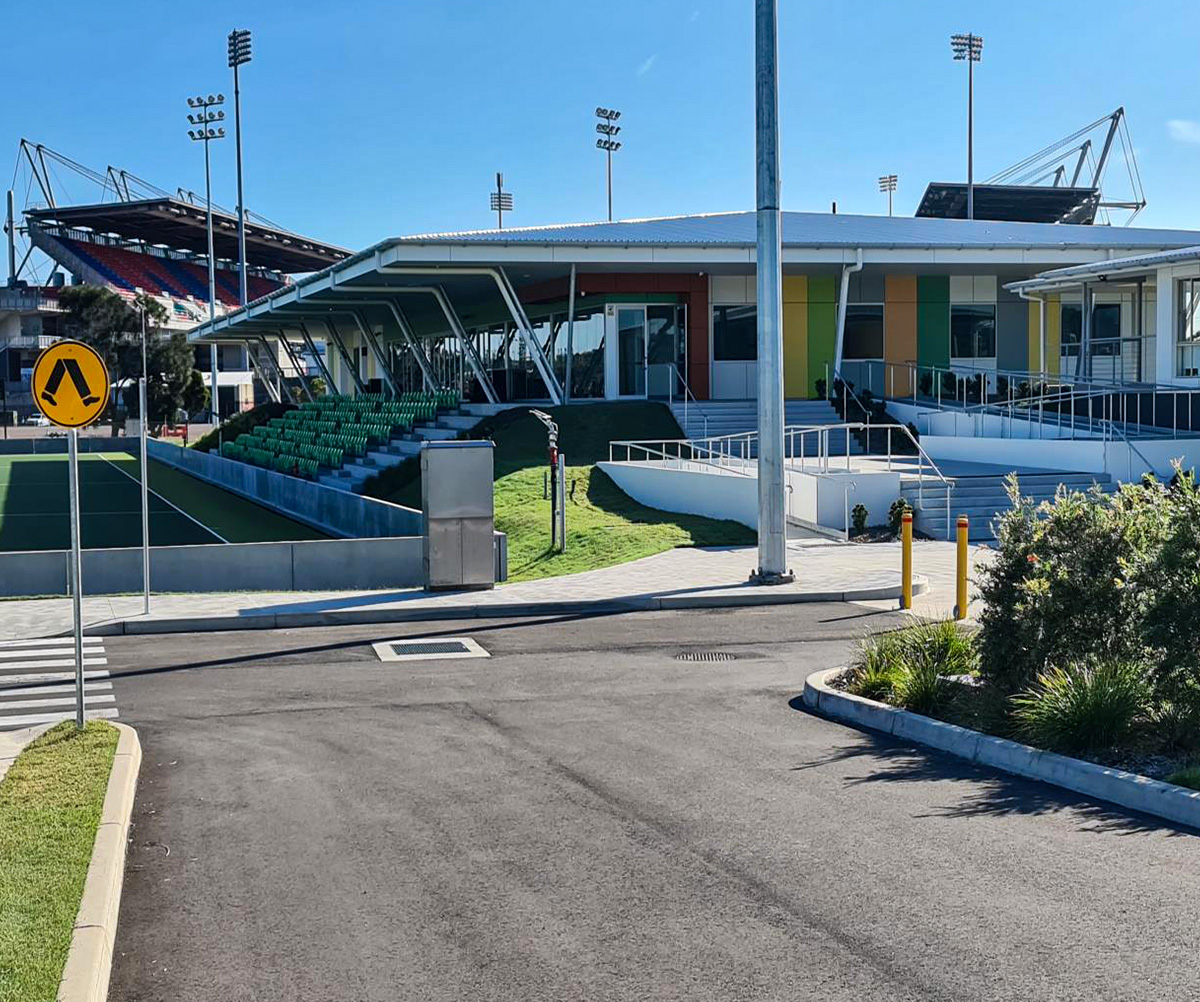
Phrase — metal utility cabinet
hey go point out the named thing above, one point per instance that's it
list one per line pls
(456, 499)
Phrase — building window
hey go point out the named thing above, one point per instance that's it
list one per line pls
(1187, 354)
(863, 335)
(972, 331)
(1106, 330)
(735, 333)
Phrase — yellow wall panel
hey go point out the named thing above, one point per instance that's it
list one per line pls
(795, 288)
(795, 349)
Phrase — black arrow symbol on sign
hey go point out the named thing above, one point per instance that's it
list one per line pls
(68, 367)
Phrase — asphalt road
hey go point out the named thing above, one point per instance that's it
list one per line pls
(583, 817)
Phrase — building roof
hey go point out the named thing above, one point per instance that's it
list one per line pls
(1023, 203)
(182, 226)
(819, 229)
(1138, 264)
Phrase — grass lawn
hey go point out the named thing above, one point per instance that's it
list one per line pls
(604, 525)
(50, 805)
(34, 506)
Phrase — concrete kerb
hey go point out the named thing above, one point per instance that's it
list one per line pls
(499, 610)
(1125, 789)
(89, 960)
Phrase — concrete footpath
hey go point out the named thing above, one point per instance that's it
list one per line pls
(676, 579)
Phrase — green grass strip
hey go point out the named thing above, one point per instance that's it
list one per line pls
(50, 803)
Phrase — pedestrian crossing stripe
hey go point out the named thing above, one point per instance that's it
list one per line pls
(37, 682)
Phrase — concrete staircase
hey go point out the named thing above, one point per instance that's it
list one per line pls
(981, 498)
(736, 417)
(355, 473)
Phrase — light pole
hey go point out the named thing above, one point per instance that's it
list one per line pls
(772, 527)
(239, 54)
(969, 47)
(888, 183)
(202, 117)
(606, 142)
(502, 201)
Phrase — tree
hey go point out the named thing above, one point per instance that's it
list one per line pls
(113, 326)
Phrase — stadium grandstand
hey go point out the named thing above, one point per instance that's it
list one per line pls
(135, 238)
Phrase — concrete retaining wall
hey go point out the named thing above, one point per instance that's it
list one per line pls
(309, 565)
(45, 446)
(338, 513)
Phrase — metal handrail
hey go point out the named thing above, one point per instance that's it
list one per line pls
(687, 392)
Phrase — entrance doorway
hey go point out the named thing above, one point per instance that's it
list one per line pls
(651, 350)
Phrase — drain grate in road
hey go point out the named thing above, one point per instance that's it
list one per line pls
(429, 650)
(705, 656)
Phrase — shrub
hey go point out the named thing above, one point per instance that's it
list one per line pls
(1189, 777)
(1058, 591)
(240, 424)
(911, 667)
(858, 516)
(1088, 706)
(896, 514)
(1177, 723)
(925, 384)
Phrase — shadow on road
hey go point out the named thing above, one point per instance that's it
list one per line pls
(991, 793)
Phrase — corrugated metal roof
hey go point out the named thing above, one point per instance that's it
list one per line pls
(1113, 266)
(820, 229)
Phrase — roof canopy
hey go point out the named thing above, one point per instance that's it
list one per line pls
(181, 225)
(1012, 203)
(1113, 269)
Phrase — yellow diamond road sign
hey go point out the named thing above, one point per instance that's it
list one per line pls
(70, 384)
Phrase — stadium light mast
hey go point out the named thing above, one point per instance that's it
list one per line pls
(606, 142)
(202, 118)
(502, 201)
(888, 183)
(969, 48)
(239, 55)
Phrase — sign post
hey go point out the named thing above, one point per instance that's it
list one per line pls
(142, 394)
(70, 386)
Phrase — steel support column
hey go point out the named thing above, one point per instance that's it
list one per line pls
(278, 371)
(317, 355)
(385, 367)
(350, 363)
(300, 373)
(571, 338)
(272, 392)
(406, 332)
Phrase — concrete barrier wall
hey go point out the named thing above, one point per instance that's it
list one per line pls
(339, 513)
(309, 565)
(45, 446)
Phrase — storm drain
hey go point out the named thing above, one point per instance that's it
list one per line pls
(429, 650)
(705, 656)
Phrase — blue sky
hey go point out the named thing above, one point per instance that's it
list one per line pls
(368, 119)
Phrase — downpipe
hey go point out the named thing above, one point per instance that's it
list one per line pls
(843, 295)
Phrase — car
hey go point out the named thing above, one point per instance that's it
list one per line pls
(38, 421)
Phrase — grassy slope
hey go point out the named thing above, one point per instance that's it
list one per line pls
(604, 525)
(49, 808)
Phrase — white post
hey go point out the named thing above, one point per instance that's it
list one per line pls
(772, 534)
(76, 571)
(142, 410)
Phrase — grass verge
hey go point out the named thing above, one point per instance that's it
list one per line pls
(50, 804)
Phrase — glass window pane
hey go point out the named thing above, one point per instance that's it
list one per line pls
(735, 333)
(1106, 329)
(864, 332)
(972, 331)
(587, 362)
(1072, 328)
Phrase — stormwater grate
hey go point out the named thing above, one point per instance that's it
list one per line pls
(705, 656)
(429, 650)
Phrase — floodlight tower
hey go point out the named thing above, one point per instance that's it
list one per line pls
(888, 183)
(608, 130)
(239, 55)
(203, 117)
(969, 48)
(502, 201)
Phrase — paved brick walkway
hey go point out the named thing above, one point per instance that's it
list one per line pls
(675, 579)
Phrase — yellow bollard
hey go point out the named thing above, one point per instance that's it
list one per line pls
(960, 608)
(906, 560)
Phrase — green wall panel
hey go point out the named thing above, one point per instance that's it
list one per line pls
(933, 320)
(822, 328)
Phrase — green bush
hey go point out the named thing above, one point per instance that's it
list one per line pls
(858, 517)
(912, 667)
(896, 514)
(1059, 590)
(1088, 706)
(1189, 777)
(240, 424)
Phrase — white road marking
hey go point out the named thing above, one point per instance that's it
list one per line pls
(21, 704)
(50, 641)
(23, 687)
(15, 723)
(190, 518)
(50, 663)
